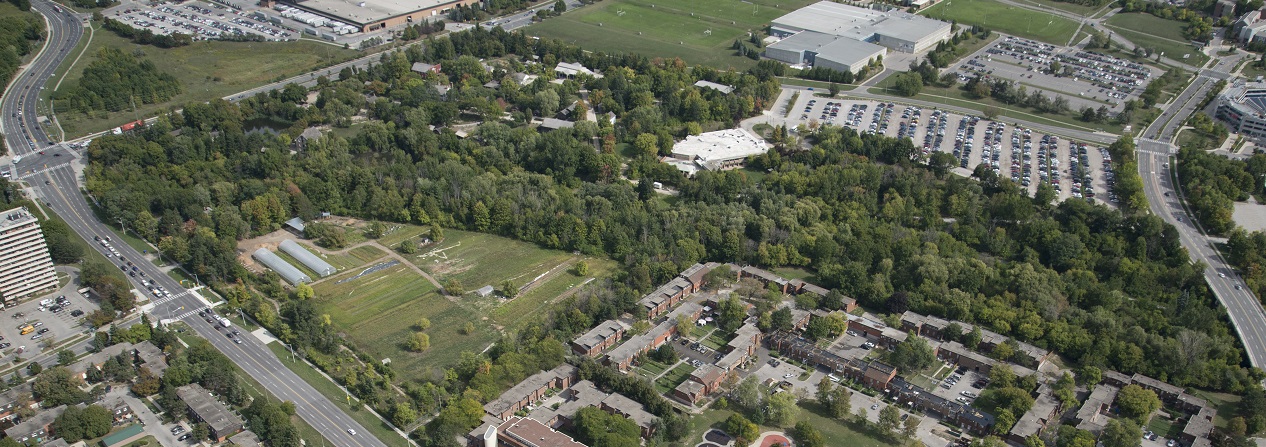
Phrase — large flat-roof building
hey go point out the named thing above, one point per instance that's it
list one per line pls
(822, 50)
(897, 30)
(1243, 107)
(714, 151)
(204, 407)
(26, 268)
(370, 15)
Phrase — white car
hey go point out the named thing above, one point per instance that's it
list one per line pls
(1222, 275)
(352, 431)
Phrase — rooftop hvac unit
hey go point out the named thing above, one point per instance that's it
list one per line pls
(361, 4)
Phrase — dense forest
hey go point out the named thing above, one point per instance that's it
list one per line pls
(863, 212)
(18, 32)
(117, 81)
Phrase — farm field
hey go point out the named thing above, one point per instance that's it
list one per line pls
(699, 31)
(378, 312)
(206, 70)
(1000, 17)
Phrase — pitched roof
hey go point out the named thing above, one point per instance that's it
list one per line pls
(521, 390)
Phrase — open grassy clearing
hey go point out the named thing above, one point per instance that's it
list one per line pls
(206, 70)
(834, 432)
(1171, 49)
(1014, 20)
(521, 310)
(1081, 10)
(478, 259)
(379, 311)
(698, 31)
(1149, 24)
(331, 391)
(670, 380)
(1162, 35)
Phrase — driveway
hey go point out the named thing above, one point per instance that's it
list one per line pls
(153, 424)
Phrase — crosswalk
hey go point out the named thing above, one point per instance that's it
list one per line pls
(186, 315)
(163, 300)
(38, 172)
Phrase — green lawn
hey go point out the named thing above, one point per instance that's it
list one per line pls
(1163, 35)
(672, 29)
(331, 391)
(479, 259)
(206, 70)
(378, 312)
(1165, 428)
(1081, 10)
(1225, 404)
(668, 381)
(834, 432)
(515, 313)
(1004, 18)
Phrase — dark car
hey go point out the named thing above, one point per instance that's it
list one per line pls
(184, 437)
(43, 331)
(76, 313)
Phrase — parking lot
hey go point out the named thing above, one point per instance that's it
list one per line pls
(202, 20)
(1028, 158)
(1084, 78)
(51, 318)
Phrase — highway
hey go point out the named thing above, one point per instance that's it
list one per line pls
(1154, 150)
(52, 177)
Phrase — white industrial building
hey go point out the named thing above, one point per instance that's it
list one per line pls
(26, 267)
(1243, 107)
(839, 36)
(825, 51)
(714, 151)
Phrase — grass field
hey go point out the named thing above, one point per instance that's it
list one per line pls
(1004, 18)
(478, 259)
(667, 29)
(1081, 10)
(206, 70)
(331, 391)
(834, 432)
(1163, 35)
(378, 312)
(670, 380)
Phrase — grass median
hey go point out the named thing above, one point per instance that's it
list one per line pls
(342, 400)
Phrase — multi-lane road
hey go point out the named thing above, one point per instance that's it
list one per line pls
(1154, 150)
(54, 180)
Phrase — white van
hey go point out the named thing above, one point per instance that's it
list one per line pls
(46, 302)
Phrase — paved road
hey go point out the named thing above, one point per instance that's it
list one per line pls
(1154, 150)
(54, 180)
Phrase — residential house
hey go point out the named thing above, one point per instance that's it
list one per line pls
(152, 357)
(696, 274)
(221, 422)
(740, 348)
(702, 382)
(530, 390)
(598, 339)
(665, 297)
(570, 70)
(1093, 414)
(585, 395)
(1166, 392)
(246, 438)
(1040, 416)
(525, 432)
(765, 277)
(95, 360)
(971, 419)
(35, 429)
(799, 319)
(689, 392)
(878, 375)
(954, 352)
(555, 124)
(622, 356)
(13, 398)
(424, 68)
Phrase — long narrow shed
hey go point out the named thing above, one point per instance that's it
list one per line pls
(288, 272)
(306, 257)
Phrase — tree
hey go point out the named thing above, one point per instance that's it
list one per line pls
(781, 319)
(889, 419)
(1137, 403)
(304, 292)
(646, 144)
(730, 313)
(65, 357)
(685, 326)
(201, 431)
(423, 324)
(454, 287)
(560, 7)
(781, 409)
(834, 89)
(582, 268)
(913, 354)
(1090, 375)
(508, 289)
(1121, 433)
(908, 84)
(910, 426)
(468, 329)
(748, 393)
(57, 386)
(807, 435)
(403, 414)
(834, 399)
(419, 342)
(741, 429)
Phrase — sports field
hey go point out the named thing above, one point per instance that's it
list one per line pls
(378, 312)
(1014, 20)
(698, 31)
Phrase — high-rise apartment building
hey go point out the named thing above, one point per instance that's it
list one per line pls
(25, 265)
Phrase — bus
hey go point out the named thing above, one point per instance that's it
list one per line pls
(27, 329)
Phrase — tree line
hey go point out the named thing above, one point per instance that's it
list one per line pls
(116, 81)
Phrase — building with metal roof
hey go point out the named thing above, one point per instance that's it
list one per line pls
(895, 29)
(288, 272)
(1243, 107)
(307, 258)
(822, 50)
